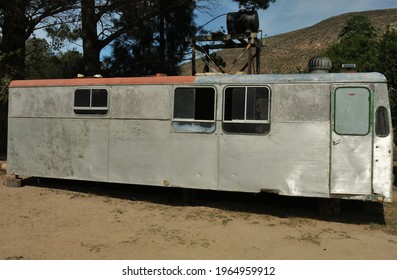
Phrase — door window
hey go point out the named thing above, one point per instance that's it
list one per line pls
(352, 111)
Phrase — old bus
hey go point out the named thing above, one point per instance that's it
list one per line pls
(317, 135)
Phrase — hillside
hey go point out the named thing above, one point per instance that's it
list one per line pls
(290, 52)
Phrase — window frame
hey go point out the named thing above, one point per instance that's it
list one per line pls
(91, 110)
(245, 120)
(195, 124)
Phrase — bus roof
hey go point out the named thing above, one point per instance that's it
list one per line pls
(103, 81)
(293, 78)
(207, 79)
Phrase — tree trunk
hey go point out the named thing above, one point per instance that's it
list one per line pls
(12, 60)
(162, 42)
(12, 56)
(3, 129)
(91, 48)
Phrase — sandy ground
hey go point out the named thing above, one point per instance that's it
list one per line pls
(55, 219)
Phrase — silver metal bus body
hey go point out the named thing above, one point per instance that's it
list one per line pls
(315, 135)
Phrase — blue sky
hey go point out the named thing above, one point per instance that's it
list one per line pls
(288, 15)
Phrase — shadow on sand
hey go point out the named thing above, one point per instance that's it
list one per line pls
(352, 212)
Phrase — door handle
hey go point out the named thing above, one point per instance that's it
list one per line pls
(336, 141)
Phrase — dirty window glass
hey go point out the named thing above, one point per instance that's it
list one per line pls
(184, 103)
(257, 104)
(99, 98)
(352, 111)
(234, 104)
(382, 122)
(246, 110)
(91, 101)
(82, 98)
(194, 110)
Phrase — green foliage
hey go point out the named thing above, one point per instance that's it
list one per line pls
(71, 63)
(254, 4)
(359, 50)
(387, 64)
(4, 82)
(357, 45)
(61, 33)
(154, 41)
(358, 25)
(387, 56)
(42, 63)
(39, 60)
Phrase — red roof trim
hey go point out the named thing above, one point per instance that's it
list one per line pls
(104, 81)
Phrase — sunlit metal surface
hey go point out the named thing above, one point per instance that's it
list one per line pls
(136, 142)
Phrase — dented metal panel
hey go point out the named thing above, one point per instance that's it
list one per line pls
(148, 152)
(351, 164)
(351, 147)
(59, 148)
(293, 159)
(382, 171)
(383, 149)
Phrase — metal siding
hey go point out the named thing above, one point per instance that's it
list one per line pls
(134, 142)
(59, 148)
(382, 167)
(41, 102)
(147, 152)
(383, 150)
(351, 155)
(300, 103)
(140, 102)
(351, 167)
(292, 160)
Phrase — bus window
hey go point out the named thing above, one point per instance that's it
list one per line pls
(352, 111)
(246, 110)
(194, 110)
(382, 122)
(91, 101)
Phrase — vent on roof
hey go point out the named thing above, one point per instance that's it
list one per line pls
(320, 64)
(349, 68)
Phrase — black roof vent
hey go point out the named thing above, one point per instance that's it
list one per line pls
(320, 64)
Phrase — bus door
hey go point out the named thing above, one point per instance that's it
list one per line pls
(351, 141)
